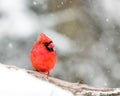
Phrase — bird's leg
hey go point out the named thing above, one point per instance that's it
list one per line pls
(81, 82)
(48, 74)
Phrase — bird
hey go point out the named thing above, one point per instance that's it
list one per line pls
(43, 55)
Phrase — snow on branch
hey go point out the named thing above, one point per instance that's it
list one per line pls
(15, 81)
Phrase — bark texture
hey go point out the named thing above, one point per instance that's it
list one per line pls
(77, 89)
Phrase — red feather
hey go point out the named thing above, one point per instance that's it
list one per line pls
(43, 55)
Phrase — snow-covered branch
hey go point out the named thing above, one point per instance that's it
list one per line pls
(15, 81)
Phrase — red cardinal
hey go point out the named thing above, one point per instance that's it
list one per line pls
(43, 55)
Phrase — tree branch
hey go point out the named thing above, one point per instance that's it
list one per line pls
(76, 88)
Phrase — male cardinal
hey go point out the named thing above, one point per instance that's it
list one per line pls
(43, 55)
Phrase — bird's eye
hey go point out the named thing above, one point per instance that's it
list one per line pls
(49, 46)
(46, 44)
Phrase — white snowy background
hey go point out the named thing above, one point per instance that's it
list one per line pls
(19, 83)
(85, 32)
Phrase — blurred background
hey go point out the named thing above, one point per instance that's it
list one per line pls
(86, 34)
